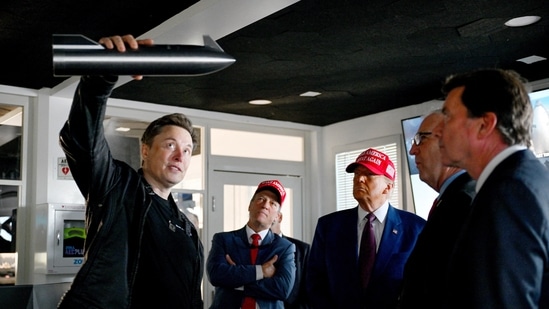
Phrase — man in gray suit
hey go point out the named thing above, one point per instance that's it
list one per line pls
(501, 259)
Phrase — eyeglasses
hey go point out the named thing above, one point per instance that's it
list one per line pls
(419, 137)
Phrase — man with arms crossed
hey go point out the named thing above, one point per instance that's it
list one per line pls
(241, 282)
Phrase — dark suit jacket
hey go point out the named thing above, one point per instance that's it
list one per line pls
(502, 258)
(332, 275)
(228, 279)
(425, 270)
(298, 297)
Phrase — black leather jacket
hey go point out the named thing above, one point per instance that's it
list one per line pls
(117, 198)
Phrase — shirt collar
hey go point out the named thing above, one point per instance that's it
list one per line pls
(380, 213)
(448, 181)
(250, 232)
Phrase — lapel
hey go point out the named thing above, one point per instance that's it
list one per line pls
(262, 254)
(268, 239)
(347, 236)
(340, 233)
(265, 248)
(392, 234)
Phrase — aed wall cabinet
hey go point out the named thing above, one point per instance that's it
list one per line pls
(59, 239)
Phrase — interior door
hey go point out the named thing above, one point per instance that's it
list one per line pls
(228, 208)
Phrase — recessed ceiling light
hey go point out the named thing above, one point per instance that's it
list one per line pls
(531, 59)
(522, 21)
(122, 129)
(310, 94)
(260, 102)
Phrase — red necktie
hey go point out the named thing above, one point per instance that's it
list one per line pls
(249, 302)
(435, 203)
(367, 253)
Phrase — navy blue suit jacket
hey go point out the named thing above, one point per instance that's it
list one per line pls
(424, 273)
(502, 258)
(333, 277)
(269, 293)
(298, 296)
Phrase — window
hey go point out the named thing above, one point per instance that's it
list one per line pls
(11, 179)
(257, 145)
(11, 121)
(10, 141)
(344, 180)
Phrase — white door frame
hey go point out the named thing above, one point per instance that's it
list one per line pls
(215, 206)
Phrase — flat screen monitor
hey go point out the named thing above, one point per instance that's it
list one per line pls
(423, 195)
(540, 124)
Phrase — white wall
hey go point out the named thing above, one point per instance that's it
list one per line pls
(59, 190)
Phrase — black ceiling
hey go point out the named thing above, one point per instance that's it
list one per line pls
(364, 57)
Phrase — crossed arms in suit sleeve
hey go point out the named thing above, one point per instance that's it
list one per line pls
(222, 274)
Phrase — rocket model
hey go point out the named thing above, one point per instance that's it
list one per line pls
(78, 55)
(540, 129)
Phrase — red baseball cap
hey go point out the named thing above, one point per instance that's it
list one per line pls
(376, 161)
(275, 186)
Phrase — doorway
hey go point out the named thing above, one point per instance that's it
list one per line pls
(230, 194)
